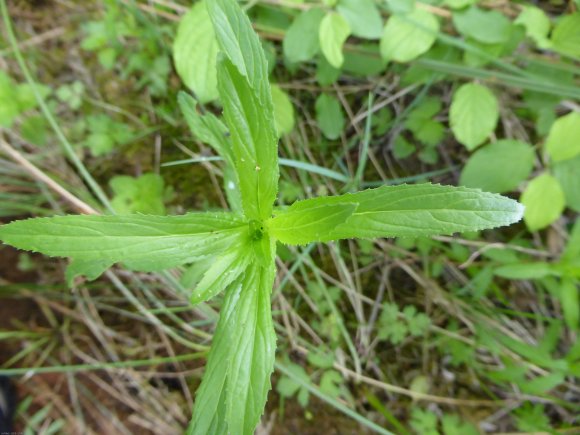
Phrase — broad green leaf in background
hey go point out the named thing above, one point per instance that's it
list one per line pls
(499, 167)
(459, 4)
(305, 226)
(563, 141)
(406, 37)
(194, 52)
(544, 201)
(536, 23)
(301, 42)
(363, 17)
(329, 116)
(490, 27)
(566, 35)
(15, 99)
(105, 134)
(412, 210)
(138, 195)
(473, 114)
(253, 343)
(254, 141)
(401, 6)
(568, 174)
(167, 240)
(283, 111)
(333, 32)
(525, 271)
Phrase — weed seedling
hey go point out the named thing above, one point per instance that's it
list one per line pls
(242, 243)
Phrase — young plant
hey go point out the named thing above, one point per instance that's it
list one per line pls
(242, 243)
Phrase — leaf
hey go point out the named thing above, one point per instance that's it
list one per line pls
(363, 17)
(209, 411)
(473, 114)
(417, 210)
(222, 272)
(499, 167)
(210, 130)
(566, 172)
(154, 242)
(253, 344)
(563, 141)
(570, 302)
(329, 116)
(138, 195)
(254, 141)
(453, 425)
(283, 111)
(566, 35)
(489, 27)
(544, 201)
(301, 41)
(519, 271)
(401, 6)
(536, 23)
(458, 4)
(406, 37)
(309, 225)
(333, 32)
(195, 51)
(89, 268)
(241, 45)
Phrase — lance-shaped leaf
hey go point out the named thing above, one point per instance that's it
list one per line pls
(210, 130)
(236, 381)
(245, 93)
(209, 412)
(253, 345)
(221, 274)
(312, 224)
(149, 242)
(254, 140)
(416, 210)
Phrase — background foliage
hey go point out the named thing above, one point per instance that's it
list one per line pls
(469, 334)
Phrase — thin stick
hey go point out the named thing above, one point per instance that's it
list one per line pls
(79, 205)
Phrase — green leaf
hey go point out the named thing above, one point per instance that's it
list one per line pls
(570, 302)
(209, 411)
(152, 242)
(283, 111)
(254, 141)
(406, 37)
(138, 195)
(458, 4)
(89, 268)
(241, 45)
(536, 23)
(309, 225)
(499, 167)
(567, 174)
(301, 41)
(473, 114)
(417, 210)
(566, 35)
(194, 52)
(210, 130)
(401, 6)
(363, 17)
(253, 344)
(544, 201)
(333, 32)
(563, 141)
(534, 270)
(329, 116)
(490, 27)
(207, 127)
(453, 425)
(222, 272)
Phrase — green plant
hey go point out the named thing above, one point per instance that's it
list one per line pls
(242, 243)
